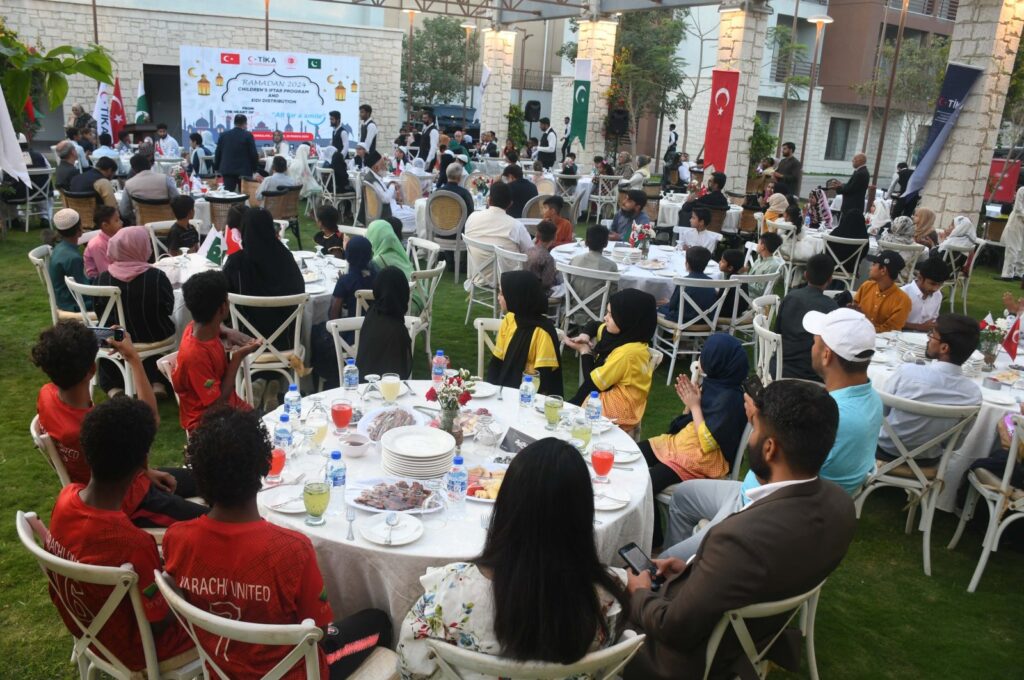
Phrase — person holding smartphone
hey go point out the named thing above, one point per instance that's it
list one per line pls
(755, 555)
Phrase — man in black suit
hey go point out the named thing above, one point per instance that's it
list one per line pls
(236, 154)
(851, 218)
(788, 539)
(488, 146)
(713, 200)
(522, 190)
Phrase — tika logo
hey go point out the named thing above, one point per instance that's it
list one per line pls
(314, 63)
(230, 58)
(290, 61)
(258, 60)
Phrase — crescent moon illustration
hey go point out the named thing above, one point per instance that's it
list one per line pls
(580, 91)
(191, 71)
(724, 91)
(330, 79)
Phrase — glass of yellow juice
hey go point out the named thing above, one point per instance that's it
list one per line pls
(581, 430)
(552, 406)
(315, 496)
(390, 386)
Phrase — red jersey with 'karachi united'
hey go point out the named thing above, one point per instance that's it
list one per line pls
(255, 572)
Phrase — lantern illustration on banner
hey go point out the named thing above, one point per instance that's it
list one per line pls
(339, 92)
(354, 88)
(203, 86)
(219, 81)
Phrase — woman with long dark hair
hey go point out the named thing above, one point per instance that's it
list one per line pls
(615, 357)
(538, 592)
(526, 339)
(384, 344)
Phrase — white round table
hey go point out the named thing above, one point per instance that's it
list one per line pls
(656, 282)
(360, 574)
(668, 214)
(982, 435)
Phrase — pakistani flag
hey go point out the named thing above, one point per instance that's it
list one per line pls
(141, 105)
(580, 102)
(213, 247)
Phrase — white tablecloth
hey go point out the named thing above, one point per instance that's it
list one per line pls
(656, 282)
(583, 188)
(979, 440)
(360, 574)
(668, 215)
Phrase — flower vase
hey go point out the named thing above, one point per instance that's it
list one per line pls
(645, 248)
(989, 350)
(448, 416)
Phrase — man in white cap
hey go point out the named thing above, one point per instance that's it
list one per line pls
(66, 260)
(844, 342)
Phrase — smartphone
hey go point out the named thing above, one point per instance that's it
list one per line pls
(104, 334)
(1010, 425)
(638, 561)
(755, 388)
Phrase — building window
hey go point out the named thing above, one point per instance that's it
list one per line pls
(838, 136)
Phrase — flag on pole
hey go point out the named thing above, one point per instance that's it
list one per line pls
(117, 117)
(719, 128)
(30, 111)
(234, 240)
(580, 102)
(485, 77)
(101, 111)
(1012, 339)
(213, 247)
(141, 105)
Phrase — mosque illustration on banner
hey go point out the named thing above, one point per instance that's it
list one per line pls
(204, 124)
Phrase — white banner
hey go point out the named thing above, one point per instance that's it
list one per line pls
(287, 91)
(101, 112)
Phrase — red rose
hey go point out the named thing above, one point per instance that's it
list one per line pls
(464, 397)
(431, 394)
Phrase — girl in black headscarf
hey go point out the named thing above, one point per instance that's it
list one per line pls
(527, 338)
(384, 343)
(615, 357)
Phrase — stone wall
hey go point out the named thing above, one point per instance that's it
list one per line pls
(561, 107)
(597, 43)
(498, 55)
(741, 37)
(136, 37)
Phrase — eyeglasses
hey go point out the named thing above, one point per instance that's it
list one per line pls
(932, 335)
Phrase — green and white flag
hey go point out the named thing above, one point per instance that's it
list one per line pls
(141, 105)
(213, 247)
(580, 102)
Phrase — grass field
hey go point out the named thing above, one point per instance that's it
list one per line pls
(879, 617)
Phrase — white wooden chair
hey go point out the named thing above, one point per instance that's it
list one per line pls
(351, 231)
(567, 186)
(922, 484)
(767, 346)
(456, 663)
(344, 349)
(792, 264)
(845, 268)
(961, 260)
(507, 261)
(1004, 501)
(37, 200)
(605, 194)
(426, 281)
(578, 305)
(482, 258)
(532, 210)
(546, 187)
(268, 357)
(486, 332)
(158, 231)
(166, 365)
(804, 605)
(40, 259)
(422, 253)
(46, 447)
(66, 580)
(910, 252)
(446, 219)
(737, 322)
(768, 305)
(671, 334)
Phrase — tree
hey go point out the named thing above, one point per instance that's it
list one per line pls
(646, 73)
(439, 60)
(33, 72)
(788, 53)
(694, 81)
(516, 118)
(762, 143)
(919, 74)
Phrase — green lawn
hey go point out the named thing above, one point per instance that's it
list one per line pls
(880, 617)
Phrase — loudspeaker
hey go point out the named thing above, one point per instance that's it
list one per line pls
(532, 111)
(618, 121)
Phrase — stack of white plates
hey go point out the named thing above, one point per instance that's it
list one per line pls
(972, 367)
(915, 343)
(417, 452)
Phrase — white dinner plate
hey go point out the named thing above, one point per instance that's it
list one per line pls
(667, 273)
(491, 467)
(364, 423)
(483, 390)
(614, 500)
(623, 457)
(375, 529)
(303, 253)
(315, 289)
(416, 442)
(310, 276)
(286, 499)
(354, 489)
(1000, 397)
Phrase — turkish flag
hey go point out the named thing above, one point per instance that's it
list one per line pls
(230, 58)
(234, 240)
(719, 128)
(30, 111)
(117, 116)
(1012, 339)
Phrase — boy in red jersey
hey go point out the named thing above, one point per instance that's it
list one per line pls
(204, 375)
(89, 526)
(67, 354)
(234, 563)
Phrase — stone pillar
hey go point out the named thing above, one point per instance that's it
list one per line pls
(499, 50)
(987, 35)
(597, 43)
(561, 106)
(741, 39)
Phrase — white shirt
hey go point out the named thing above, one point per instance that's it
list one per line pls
(690, 237)
(105, 152)
(497, 227)
(167, 146)
(922, 308)
(673, 137)
(764, 490)
(370, 132)
(548, 142)
(435, 135)
(684, 172)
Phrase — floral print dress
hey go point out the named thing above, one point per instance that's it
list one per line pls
(457, 606)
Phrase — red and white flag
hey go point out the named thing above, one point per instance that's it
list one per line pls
(723, 104)
(234, 240)
(101, 111)
(1012, 339)
(117, 115)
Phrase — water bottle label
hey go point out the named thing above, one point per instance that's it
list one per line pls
(338, 477)
(458, 486)
(351, 379)
(525, 399)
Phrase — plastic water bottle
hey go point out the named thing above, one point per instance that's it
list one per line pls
(593, 409)
(283, 433)
(350, 376)
(807, 220)
(437, 367)
(293, 403)
(336, 477)
(457, 483)
(195, 183)
(526, 391)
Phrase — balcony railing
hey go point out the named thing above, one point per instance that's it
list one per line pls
(780, 68)
(940, 9)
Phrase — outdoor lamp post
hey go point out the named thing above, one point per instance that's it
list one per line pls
(819, 21)
(465, 69)
(408, 84)
(266, 25)
(522, 62)
(888, 101)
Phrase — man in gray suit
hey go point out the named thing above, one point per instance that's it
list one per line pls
(236, 154)
(792, 535)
